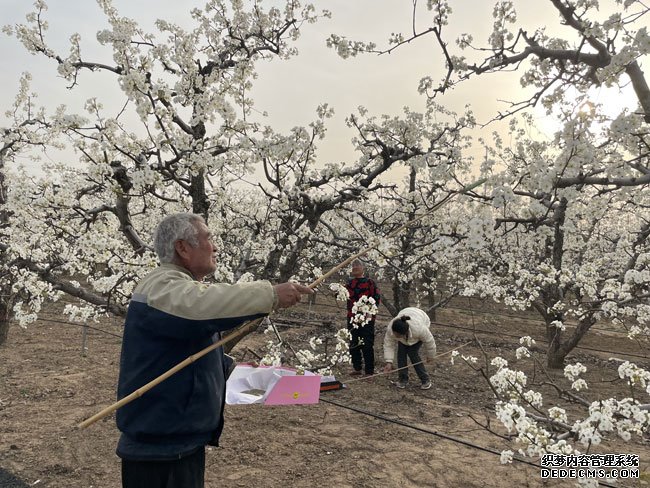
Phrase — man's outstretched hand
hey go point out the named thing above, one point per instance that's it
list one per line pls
(289, 293)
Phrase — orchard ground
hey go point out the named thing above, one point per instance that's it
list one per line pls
(47, 387)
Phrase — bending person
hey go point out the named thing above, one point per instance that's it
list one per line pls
(409, 331)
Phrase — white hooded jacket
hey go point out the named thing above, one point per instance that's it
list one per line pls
(418, 331)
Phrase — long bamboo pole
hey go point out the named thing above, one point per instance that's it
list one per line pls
(186, 362)
(254, 323)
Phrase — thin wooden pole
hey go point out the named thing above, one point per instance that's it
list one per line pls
(250, 325)
(143, 389)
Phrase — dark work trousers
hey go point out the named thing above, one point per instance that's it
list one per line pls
(187, 472)
(362, 345)
(413, 352)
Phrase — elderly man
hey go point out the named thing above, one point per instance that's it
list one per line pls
(172, 315)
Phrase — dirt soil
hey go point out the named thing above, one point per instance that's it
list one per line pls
(47, 386)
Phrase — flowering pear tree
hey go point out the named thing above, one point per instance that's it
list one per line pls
(556, 199)
(425, 263)
(301, 195)
(302, 212)
(185, 134)
(545, 415)
(321, 214)
(606, 40)
(564, 227)
(28, 129)
(403, 253)
(575, 255)
(588, 184)
(186, 91)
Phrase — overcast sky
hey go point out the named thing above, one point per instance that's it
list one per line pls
(289, 90)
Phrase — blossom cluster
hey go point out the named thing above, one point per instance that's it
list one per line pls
(320, 357)
(363, 311)
(340, 292)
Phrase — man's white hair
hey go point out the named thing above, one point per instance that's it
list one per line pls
(175, 227)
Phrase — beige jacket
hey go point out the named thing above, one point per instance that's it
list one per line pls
(171, 289)
(419, 323)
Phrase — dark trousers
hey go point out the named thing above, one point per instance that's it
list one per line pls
(413, 353)
(187, 472)
(362, 347)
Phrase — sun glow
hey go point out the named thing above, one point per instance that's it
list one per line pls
(614, 100)
(605, 102)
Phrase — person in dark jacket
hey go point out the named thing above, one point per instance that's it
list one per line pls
(172, 315)
(362, 342)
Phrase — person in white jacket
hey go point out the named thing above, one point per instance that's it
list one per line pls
(409, 331)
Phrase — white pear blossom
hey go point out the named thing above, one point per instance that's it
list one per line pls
(340, 292)
(363, 311)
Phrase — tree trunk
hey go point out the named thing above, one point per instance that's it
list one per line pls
(559, 349)
(392, 310)
(6, 299)
(430, 275)
(288, 268)
(556, 353)
(272, 263)
(402, 291)
(4, 331)
(554, 292)
(200, 203)
(555, 358)
(5, 307)
(431, 310)
(401, 294)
